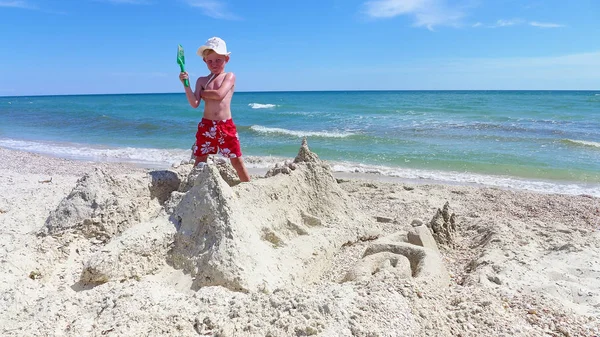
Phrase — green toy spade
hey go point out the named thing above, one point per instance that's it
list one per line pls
(181, 62)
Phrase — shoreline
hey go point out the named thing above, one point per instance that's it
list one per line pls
(258, 165)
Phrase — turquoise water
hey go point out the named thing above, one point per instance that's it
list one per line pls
(527, 138)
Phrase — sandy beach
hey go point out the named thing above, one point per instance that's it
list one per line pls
(110, 249)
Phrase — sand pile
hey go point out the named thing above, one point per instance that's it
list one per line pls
(100, 206)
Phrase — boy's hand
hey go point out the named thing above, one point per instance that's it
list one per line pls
(183, 76)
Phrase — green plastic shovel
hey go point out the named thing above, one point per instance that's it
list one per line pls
(181, 62)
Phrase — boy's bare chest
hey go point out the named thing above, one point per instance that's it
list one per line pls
(214, 83)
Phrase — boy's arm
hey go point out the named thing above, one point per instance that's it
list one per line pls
(223, 90)
(194, 97)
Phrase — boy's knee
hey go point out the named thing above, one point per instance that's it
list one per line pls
(200, 159)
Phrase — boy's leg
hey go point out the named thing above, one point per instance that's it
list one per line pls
(229, 146)
(200, 159)
(238, 165)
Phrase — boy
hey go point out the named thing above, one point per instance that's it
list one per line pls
(216, 130)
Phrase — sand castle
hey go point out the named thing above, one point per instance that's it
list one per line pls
(272, 233)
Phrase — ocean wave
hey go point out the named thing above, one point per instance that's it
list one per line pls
(325, 134)
(143, 156)
(261, 106)
(581, 143)
(468, 178)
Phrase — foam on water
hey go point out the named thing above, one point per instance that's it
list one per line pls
(147, 157)
(298, 133)
(261, 106)
(582, 143)
(143, 156)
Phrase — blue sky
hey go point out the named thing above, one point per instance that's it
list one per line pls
(129, 46)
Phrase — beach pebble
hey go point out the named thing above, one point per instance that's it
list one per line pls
(495, 279)
(384, 219)
(416, 223)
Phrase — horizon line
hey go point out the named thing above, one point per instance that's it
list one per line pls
(296, 91)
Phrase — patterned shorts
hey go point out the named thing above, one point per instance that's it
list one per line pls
(221, 136)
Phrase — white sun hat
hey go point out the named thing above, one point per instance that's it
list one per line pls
(215, 43)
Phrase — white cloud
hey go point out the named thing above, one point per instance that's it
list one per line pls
(545, 24)
(507, 23)
(391, 8)
(18, 4)
(515, 22)
(432, 13)
(214, 9)
(426, 13)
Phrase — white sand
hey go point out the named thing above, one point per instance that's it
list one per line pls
(116, 254)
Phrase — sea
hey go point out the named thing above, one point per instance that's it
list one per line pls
(544, 141)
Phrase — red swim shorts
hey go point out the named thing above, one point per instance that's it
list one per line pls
(221, 136)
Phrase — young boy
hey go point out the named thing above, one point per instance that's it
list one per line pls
(216, 131)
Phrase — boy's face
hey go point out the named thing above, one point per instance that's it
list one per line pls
(215, 62)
